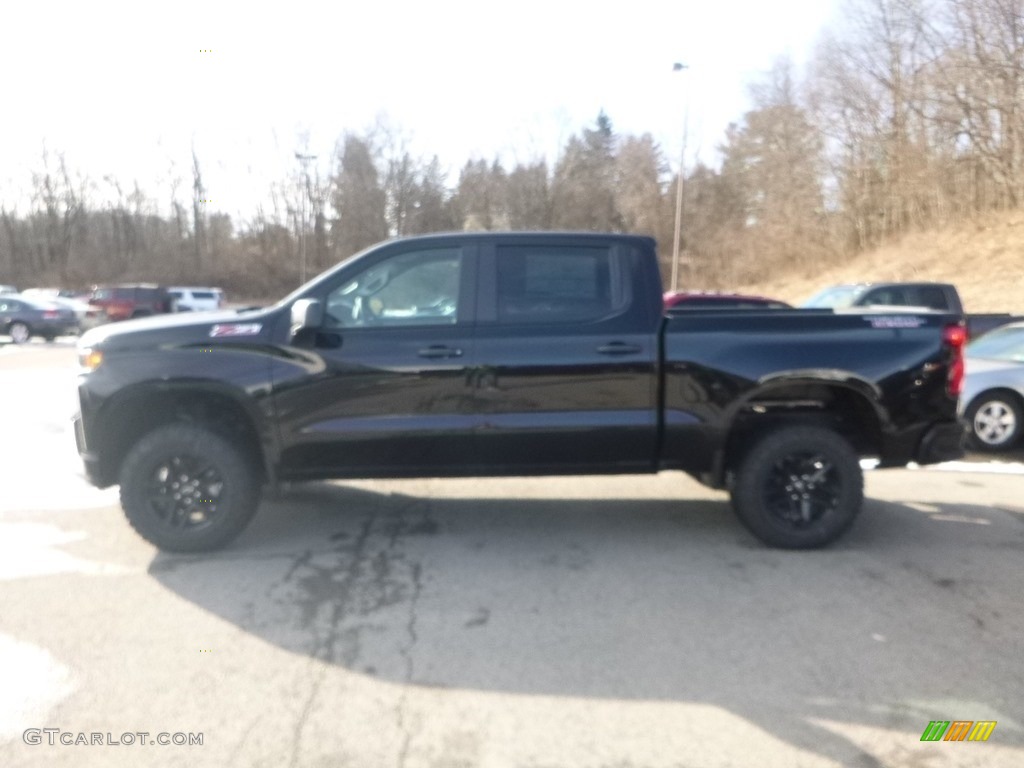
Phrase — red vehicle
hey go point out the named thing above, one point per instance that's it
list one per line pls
(715, 300)
(122, 302)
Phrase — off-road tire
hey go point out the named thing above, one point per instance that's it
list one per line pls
(798, 487)
(187, 489)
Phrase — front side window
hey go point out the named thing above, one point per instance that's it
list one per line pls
(836, 297)
(417, 288)
(889, 297)
(539, 284)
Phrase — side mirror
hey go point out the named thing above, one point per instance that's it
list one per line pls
(306, 313)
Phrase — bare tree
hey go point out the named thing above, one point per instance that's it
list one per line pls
(583, 189)
(60, 205)
(528, 195)
(481, 196)
(198, 213)
(360, 202)
(639, 168)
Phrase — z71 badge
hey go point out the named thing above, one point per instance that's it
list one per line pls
(236, 329)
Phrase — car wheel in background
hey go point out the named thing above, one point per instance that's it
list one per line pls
(187, 489)
(996, 419)
(19, 333)
(799, 487)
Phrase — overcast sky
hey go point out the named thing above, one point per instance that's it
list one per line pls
(126, 88)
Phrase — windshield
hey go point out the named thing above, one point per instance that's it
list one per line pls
(1000, 344)
(836, 297)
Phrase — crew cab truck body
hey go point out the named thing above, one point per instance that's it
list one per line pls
(510, 354)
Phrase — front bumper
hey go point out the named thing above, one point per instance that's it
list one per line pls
(942, 442)
(91, 462)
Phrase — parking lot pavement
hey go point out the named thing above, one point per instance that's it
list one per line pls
(626, 621)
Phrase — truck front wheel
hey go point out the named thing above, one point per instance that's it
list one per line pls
(187, 489)
(798, 487)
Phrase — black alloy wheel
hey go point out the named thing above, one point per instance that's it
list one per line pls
(185, 491)
(801, 488)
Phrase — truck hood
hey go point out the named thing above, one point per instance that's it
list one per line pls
(178, 327)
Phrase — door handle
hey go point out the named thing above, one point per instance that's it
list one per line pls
(439, 350)
(620, 348)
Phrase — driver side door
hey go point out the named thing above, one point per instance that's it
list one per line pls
(385, 388)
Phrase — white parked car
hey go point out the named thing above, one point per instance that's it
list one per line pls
(192, 299)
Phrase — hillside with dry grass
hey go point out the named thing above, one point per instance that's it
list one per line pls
(983, 258)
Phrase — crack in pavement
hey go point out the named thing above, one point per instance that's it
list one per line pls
(360, 583)
(323, 649)
(410, 665)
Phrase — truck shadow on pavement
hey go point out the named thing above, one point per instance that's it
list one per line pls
(636, 600)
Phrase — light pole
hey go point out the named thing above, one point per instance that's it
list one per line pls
(304, 159)
(680, 181)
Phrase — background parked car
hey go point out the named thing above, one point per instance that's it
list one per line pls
(943, 297)
(192, 299)
(24, 317)
(993, 395)
(714, 300)
(121, 302)
(87, 315)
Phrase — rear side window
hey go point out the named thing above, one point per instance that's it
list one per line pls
(203, 295)
(930, 296)
(543, 284)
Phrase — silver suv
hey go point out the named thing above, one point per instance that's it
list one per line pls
(191, 299)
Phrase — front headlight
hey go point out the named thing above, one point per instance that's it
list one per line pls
(89, 359)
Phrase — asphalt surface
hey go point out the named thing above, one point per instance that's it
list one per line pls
(594, 622)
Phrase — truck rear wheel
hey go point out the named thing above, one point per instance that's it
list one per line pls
(799, 487)
(187, 489)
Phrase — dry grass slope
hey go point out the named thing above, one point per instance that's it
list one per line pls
(983, 258)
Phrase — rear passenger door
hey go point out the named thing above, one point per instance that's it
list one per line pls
(566, 358)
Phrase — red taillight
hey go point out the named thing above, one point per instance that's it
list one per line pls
(955, 337)
(50, 314)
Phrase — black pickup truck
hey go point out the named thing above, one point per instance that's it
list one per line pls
(511, 354)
